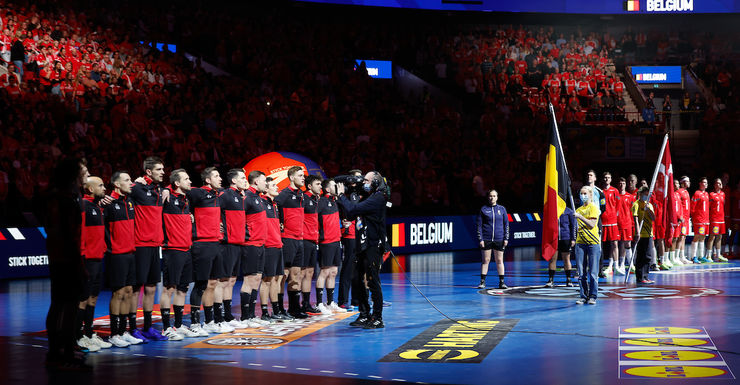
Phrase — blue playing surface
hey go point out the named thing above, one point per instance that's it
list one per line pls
(553, 340)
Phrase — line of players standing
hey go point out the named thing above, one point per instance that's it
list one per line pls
(705, 210)
(208, 237)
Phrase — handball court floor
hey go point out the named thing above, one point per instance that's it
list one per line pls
(684, 329)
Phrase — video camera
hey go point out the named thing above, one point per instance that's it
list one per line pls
(358, 181)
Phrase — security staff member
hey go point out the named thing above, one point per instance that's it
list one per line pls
(493, 233)
(371, 246)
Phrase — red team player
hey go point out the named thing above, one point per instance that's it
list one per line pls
(274, 265)
(686, 216)
(674, 255)
(310, 239)
(659, 232)
(610, 229)
(700, 220)
(290, 207)
(716, 222)
(624, 223)
(253, 260)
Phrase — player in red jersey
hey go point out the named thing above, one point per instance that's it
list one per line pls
(610, 230)
(735, 215)
(700, 219)
(686, 216)
(624, 223)
(716, 222)
(673, 255)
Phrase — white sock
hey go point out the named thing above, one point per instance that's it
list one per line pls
(692, 250)
(628, 257)
(671, 256)
(700, 250)
(611, 263)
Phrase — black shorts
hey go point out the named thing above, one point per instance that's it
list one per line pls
(177, 269)
(273, 262)
(231, 259)
(148, 271)
(292, 252)
(310, 253)
(564, 246)
(495, 245)
(206, 261)
(121, 270)
(94, 268)
(253, 260)
(330, 254)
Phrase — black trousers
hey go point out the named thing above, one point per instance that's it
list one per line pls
(67, 287)
(642, 259)
(348, 266)
(368, 264)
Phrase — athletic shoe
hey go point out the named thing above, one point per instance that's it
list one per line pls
(260, 321)
(335, 308)
(686, 261)
(199, 330)
(375, 323)
(361, 321)
(654, 268)
(132, 339)
(225, 327)
(212, 327)
(153, 334)
(569, 283)
(236, 324)
(705, 260)
(502, 286)
(646, 282)
(298, 314)
(482, 285)
(323, 309)
(722, 259)
(696, 260)
(549, 284)
(87, 343)
(311, 310)
(591, 301)
(677, 261)
(632, 269)
(267, 319)
(601, 274)
(118, 341)
(620, 271)
(668, 263)
(188, 333)
(280, 317)
(608, 271)
(171, 334)
(136, 333)
(100, 342)
(664, 266)
(580, 301)
(251, 323)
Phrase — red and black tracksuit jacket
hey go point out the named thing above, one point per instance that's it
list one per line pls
(147, 200)
(205, 203)
(330, 228)
(310, 217)
(119, 225)
(178, 228)
(254, 207)
(233, 217)
(290, 208)
(273, 224)
(93, 229)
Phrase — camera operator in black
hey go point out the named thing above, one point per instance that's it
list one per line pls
(371, 245)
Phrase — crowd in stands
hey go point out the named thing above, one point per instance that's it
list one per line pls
(85, 86)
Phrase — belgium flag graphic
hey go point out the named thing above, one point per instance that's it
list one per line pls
(557, 191)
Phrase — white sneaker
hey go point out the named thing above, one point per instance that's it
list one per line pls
(131, 339)
(335, 308)
(118, 341)
(88, 344)
(686, 261)
(199, 330)
(252, 323)
(668, 262)
(185, 332)
(260, 321)
(100, 342)
(236, 324)
(172, 334)
(323, 309)
(212, 327)
(225, 327)
(619, 271)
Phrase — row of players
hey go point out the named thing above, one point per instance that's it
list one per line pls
(705, 211)
(209, 236)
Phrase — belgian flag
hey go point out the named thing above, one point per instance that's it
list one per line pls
(557, 191)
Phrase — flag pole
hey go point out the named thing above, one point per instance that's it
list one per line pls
(650, 193)
(562, 155)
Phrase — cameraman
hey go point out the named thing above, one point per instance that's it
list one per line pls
(348, 245)
(371, 244)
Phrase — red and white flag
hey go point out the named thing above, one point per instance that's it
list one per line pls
(663, 193)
